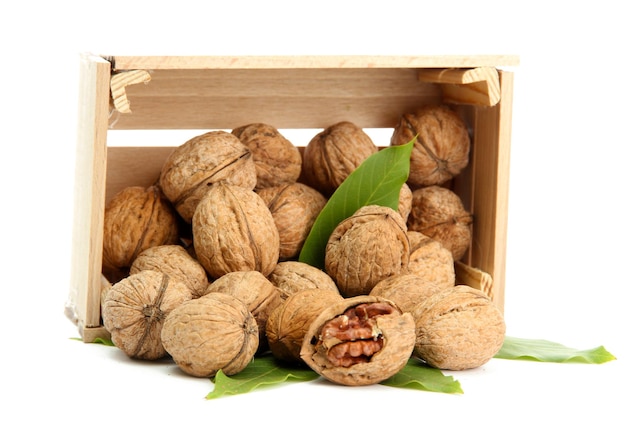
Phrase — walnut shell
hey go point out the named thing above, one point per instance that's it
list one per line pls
(295, 207)
(276, 159)
(175, 261)
(290, 277)
(135, 219)
(211, 333)
(458, 328)
(430, 260)
(405, 201)
(441, 150)
(439, 213)
(288, 323)
(365, 248)
(199, 163)
(361, 340)
(135, 308)
(331, 155)
(234, 230)
(255, 291)
(406, 290)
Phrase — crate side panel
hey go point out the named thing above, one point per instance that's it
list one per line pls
(292, 98)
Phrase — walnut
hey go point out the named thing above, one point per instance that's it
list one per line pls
(290, 277)
(406, 290)
(199, 163)
(439, 213)
(331, 155)
(288, 323)
(234, 230)
(255, 291)
(211, 333)
(134, 309)
(441, 150)
(365, 248)
(430, 260)
(405, 201)
(277, 160)
(458, 328)
(177, 263)
(361, 340)
(295, 207)
(135, 219)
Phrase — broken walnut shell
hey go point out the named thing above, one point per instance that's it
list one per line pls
(361, 340)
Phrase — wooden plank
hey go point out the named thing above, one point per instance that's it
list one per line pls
(477, 86)
(120, 81)
(83, 305)
(311, 62)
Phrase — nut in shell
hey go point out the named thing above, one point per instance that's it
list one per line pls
(295, 207)
(439, 213)
(135, 219)
(458, 328)
(331, 155)
(135, 308)
(430, 260)
(199, 163)
(441, 150)
(365, 248)
(234, 230)
(211, 333)
(276, 159)
(291, 276)
(176, 262)
(406, 290)
(361, 340)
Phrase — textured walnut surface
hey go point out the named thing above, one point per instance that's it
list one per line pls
(406, 290)
(213, 332)
(293, 276)
(430, 260)
(458, 328)
(135, 308)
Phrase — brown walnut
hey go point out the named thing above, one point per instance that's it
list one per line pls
(276, 159)
(295, 207)
(361, 340)
(365, 248)
(211, 333)
(439, 213)
(441, 150)
(331, 155)
(135, 219)
(430, 260)
(290, 277)
(406, 290)
(201, 162)
(288, 323)
(458, 328)
(405, 201)
(177, 263)
(234, 230)
(135, 308)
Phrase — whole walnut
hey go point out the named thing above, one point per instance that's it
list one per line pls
(176, 262)
(295, 207)
(430, 260)
(458, 328)
(134, 310)
(441, 150)
(331, 155)
(233, 229)
(439, 213)
(291, 276)
(135, 219)
(360, 340)
(277, 160)
(405, 201)
(288, 323)
(365, 248)
(199, 163)
(211, 333)
(255, 291)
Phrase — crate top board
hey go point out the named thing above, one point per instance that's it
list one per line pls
(199, 92)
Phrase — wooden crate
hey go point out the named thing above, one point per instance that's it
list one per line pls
(204, 93)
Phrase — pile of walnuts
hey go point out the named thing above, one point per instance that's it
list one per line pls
(203, 264)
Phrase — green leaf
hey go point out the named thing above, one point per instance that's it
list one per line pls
(264, 370)
(548, 351)
(102, 341)
(377, 180)
(417, 375)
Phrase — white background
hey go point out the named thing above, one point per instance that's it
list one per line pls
(566, 217)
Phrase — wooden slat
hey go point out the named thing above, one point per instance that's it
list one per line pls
(477, 86)
(83, 306)
(120, 81)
